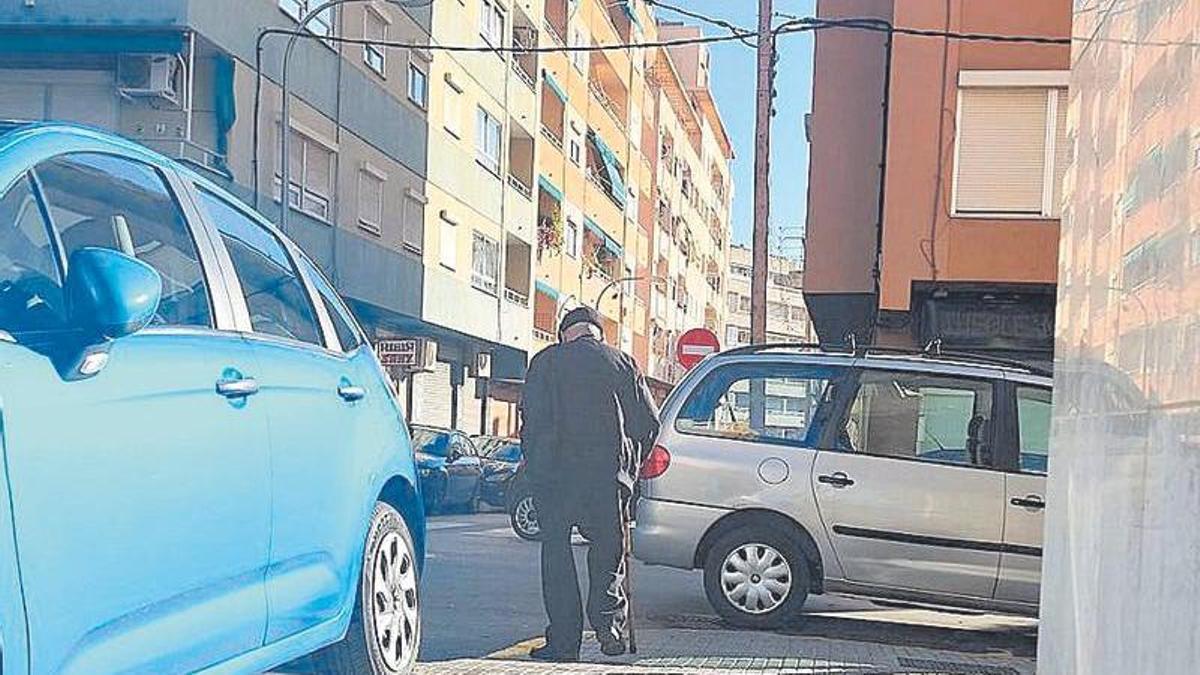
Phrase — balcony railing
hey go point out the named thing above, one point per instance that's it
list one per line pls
(606, 103)
(556, 141)
(552, 31)
(519, 185)
(524, 76)
(516, 297)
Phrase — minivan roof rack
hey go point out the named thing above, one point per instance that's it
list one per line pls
(932, 350)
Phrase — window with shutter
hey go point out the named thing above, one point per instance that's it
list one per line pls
(414, 221)
(370, 201)
(1001, 151)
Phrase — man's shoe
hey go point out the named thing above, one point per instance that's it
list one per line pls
(611, 646)
(552, 654)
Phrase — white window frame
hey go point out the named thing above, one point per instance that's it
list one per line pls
(579, 38)
(483, 153)
(490, 10)
(372, 50)
(324, 24)
(413, 68)
(368, 172)
(480, 278)
(1054, 83)
(571, 246)
(306, 138)
(447, 234)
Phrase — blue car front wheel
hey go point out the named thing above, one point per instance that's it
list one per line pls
(386, 629)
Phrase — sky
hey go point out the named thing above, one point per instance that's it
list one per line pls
(733, 83)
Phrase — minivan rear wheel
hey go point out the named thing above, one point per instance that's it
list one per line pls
(385, 631)
(755, 577)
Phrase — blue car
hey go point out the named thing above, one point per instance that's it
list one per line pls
(202, 467)
(450, 469)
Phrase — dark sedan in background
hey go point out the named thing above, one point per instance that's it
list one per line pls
(450, 469)
(501, 458)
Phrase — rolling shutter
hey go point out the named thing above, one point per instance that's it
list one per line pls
(1001, 150)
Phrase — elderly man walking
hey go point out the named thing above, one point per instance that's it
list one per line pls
(589, 423)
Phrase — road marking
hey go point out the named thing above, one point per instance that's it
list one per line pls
(518, 650)
(448, 526)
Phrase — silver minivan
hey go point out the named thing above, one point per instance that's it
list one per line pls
(788, 470)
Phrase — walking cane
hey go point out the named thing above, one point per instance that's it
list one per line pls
(628, 546)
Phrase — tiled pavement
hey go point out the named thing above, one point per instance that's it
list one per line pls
(695, 652)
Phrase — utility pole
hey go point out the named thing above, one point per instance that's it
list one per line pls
(762, 173)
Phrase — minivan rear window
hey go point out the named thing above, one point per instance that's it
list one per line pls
(761, 402)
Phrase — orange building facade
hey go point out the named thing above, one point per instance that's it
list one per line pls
(964, 145)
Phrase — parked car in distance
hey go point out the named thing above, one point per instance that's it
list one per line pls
(203, 467)
(521, 506)
(783, 471)
(501, 458)
(450, 468)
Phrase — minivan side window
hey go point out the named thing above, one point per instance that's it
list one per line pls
(275, 295)
(912, 415)
(31, 296)
(761, 402)
(1033, 423)
(343, 325)
(122, 204)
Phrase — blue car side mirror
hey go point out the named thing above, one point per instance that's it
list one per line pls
(110, 294)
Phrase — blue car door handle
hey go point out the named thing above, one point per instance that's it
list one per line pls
(351, 392)
(237, 388)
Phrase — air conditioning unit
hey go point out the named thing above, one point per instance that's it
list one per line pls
(150, 76)
(483, 365)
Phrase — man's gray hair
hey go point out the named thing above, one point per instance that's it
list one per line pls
(582, 329)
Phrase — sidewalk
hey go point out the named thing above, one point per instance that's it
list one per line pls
(695, 652)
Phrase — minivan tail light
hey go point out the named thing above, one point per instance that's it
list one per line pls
(656, 463)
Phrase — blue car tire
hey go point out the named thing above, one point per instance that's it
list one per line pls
(385, 633)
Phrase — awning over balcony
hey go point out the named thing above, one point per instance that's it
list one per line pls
(546, 185)
(543, 287)
(609, 243)
(627, 6)
(554, 85)
(612, 168)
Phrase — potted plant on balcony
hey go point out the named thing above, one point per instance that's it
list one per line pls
(550, 232)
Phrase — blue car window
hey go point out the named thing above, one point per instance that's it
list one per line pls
(125, 205)
(343, 325)
(30, 285)
(275, 296)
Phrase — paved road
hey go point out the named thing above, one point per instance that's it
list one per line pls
(481, 593)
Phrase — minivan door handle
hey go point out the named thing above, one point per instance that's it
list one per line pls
(1029, 502)
(837, 480)
(237, 387)
(351, 392)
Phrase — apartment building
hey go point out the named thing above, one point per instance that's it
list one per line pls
(633, 192)
(956, 237)
(179, 76)
(483, 110)
(787, 314)
(590, 165)
(691, 196)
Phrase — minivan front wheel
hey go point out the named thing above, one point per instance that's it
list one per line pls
(756, 578)
(386, 629)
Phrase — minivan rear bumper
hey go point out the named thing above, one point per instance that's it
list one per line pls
(668, 533)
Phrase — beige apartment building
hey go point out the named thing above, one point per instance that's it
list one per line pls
(787, 314)
(622, 226)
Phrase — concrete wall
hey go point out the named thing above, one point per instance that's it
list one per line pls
(1120, 586)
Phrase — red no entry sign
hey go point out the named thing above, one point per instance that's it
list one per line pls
(694, 345)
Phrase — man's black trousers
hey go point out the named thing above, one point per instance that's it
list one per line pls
(597, 512)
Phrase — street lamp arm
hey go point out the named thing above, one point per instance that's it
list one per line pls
(614, 282)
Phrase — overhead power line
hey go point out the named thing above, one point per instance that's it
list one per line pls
(711, 20)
